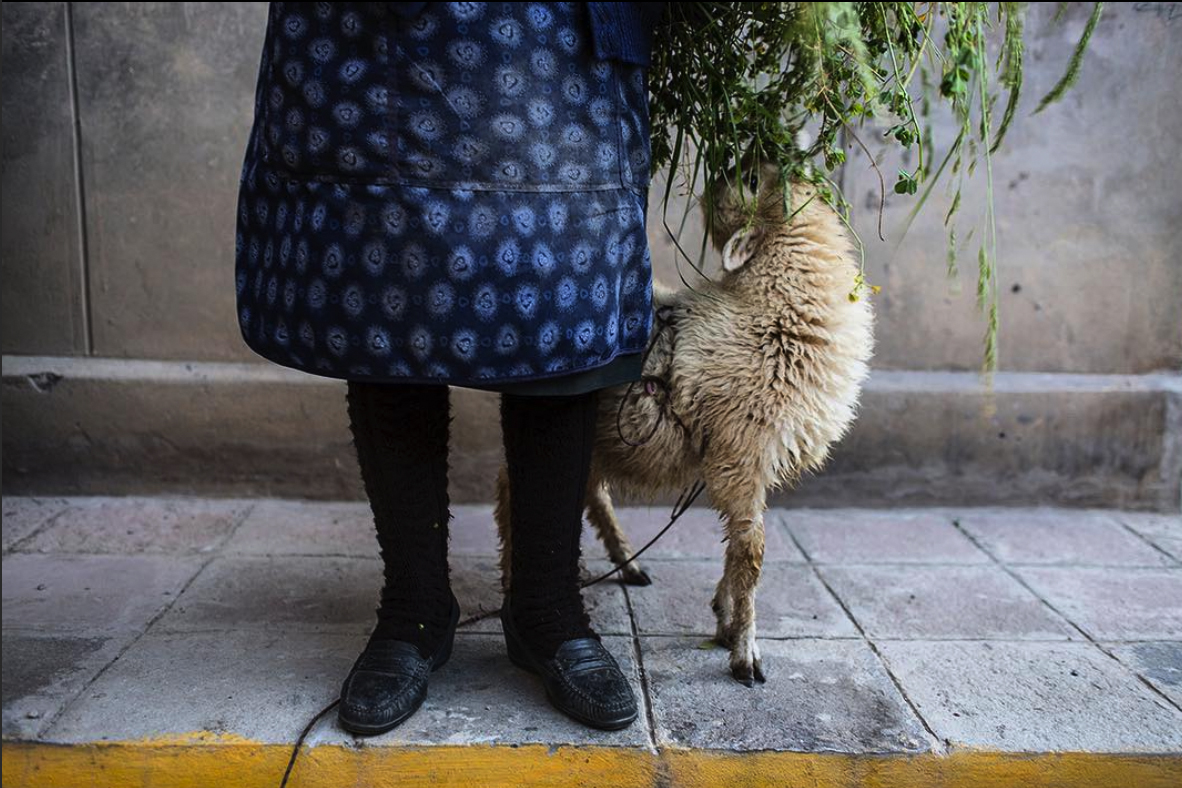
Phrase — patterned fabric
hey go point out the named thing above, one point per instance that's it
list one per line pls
(624, 31)
(454, 197)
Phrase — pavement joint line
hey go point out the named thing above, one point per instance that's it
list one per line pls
(691, 559)
(638, 655)
(778, 517)
(1113, 655)
(357, 556)
(235, 556)
(238, 554)
(248, 509)
(224, 553)
(461, 555)
(73, 502)
(15, 546)
(785, 638)
(32, 631)
(1087, 635)
(1009, 640)
(1124, 524)
(970, 565)
(847, 638)
(938, 745)
(656, 559)
(53, 720)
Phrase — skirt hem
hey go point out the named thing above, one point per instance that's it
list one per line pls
(550, 383)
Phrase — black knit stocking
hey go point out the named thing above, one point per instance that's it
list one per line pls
(548, 444)
(401, 435)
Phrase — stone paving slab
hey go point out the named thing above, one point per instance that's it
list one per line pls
(1057, 538)
(221, 682)
(1163, 531)
(307, 528)
(122, 526)
(1158, 663)
(1114, 604)
(1033, 697)
(333, 594)
(240, 619)
(480, 697)
(293, 593)
(789, 603)
(91, 594)
(261, 685)
(844, 537)
(943, 602)
(24, 515)
(42, 672)
(821, 696)
(347, 529)
(698, 533)
(477, 585)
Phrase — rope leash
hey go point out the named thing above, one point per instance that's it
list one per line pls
(295, 751)
(678, 509)
(654, 382)
(651, 385)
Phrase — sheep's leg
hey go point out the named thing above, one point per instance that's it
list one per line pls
(744, 554)
(722, 605)
(501, 515)
(603, 518)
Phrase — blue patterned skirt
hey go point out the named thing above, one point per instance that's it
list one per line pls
(458, 197)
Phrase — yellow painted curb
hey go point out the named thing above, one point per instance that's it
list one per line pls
(203, 760)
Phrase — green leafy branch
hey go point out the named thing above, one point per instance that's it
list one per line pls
(740, 82)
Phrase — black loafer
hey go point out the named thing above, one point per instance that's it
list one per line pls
(582, 679)
(388, 682)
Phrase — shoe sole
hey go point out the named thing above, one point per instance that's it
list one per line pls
(438, 662)
(527, 663)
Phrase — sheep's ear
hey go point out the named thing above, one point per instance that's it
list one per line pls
(739, 249)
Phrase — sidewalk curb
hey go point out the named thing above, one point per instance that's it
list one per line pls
(133, 427)
(206, 759)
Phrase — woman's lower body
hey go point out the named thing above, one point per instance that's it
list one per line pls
(401, 432)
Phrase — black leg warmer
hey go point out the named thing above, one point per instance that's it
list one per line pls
(548, 443)
(401, 434)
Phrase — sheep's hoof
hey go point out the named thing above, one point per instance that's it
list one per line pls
(635, 576)
(747, 673)
(743, 674)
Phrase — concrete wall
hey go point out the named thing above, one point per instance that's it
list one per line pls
(1088, 209)
(45, 294)
(124, 127)
(157, 121)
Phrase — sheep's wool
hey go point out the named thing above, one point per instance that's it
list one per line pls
(766, 364)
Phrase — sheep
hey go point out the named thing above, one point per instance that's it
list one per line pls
(762, 371)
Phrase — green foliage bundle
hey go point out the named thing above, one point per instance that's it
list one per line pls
(733, 83)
